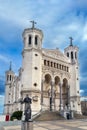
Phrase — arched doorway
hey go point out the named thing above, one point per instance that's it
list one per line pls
(57, 81)
(65, 93)
(47, 91)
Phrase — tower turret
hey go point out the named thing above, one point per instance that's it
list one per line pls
(72, 52)
(32, 37)
(32, 60)
(9, 75)
(8, 90)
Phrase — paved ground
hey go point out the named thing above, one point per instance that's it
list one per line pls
(55, 125)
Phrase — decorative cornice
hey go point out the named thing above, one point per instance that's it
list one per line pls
(27, 91)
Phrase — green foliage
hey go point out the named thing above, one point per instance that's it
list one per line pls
(16, 115)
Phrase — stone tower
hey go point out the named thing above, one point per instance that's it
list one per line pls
(72, 52)
(31, 65)
(8, 90)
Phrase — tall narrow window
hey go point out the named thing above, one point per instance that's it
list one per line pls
(51, 64)
(29, 40)
(10, 77)
(67, 54)
(71, 55)
(36, 40)
(57, 66)
(60, 66)
(48, 63)
(44, 62)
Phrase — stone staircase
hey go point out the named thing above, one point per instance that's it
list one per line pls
(79, 116)
(48, 116)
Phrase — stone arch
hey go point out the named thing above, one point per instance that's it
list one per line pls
(47, 82)
(65, 93)
(47, 72)
(57, 80)
(65, 85)
(47, 78)
(56, 83)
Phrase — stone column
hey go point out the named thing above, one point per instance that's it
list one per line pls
(52, 96)
(61, 101)
(68, 96)
(42, 82)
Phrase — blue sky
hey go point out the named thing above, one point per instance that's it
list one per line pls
(59, 19)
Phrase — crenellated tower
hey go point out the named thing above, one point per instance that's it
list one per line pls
(31, 65)
(72, 53)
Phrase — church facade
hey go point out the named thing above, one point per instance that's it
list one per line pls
(49, 77)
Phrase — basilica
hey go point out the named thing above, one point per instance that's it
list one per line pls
(48, 76)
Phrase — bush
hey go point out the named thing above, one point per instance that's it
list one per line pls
(16, 115)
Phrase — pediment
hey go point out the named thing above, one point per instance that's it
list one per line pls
(56, 54)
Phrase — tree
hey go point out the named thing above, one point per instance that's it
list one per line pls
(16, 115)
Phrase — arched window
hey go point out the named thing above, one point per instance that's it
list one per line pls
(29, 40)
(10, 77)
(54, 65)
(71, 55)
(36, 40)
(48, 63)
(51, 64)
(67, 54)
(44, 62)
(59, 66)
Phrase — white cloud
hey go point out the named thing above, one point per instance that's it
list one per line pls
(81, 91)
(83, 98)
(4, 58)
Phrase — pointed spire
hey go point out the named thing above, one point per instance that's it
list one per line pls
(71, 39)
(10, 67)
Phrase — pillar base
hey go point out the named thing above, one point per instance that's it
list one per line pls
(27, 125)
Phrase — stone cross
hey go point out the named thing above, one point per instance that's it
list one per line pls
(33, 24)
(71, 39)
(10, 67)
